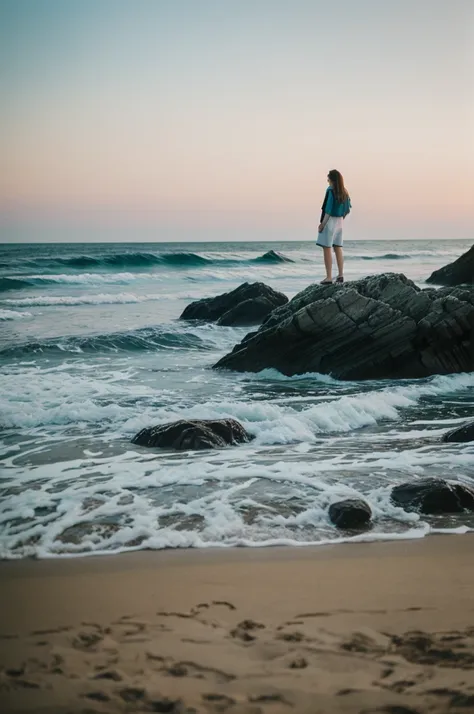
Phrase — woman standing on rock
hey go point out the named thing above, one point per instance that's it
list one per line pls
(336, 206)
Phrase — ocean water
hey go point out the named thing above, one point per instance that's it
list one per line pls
(91, 351)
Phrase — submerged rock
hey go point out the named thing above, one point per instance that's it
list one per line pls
(383, 326)
(350, 513)
(461, 271)
(193, 434)
(433, 495)
(461, 434)
(248, 304)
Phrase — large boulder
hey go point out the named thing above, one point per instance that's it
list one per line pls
(248, 304)
(350, 513)
(193, 434)
(433, 495)
(249, 312)
(461, 434)
(380, 327)
(461, 271)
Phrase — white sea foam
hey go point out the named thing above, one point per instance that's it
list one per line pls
(143, 496)
(100, 299)
(148, 497)
(13, 315)
(96, 278)
(273, 423)
(274, 375)
(34, 397)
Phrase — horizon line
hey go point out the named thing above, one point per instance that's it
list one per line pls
(307, 240)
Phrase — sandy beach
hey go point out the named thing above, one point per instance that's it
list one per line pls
(373, 627)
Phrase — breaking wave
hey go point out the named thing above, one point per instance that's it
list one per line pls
(100, 299)
(147, 338)
(14, 284)
(13, 315)
(129, 261)
(387, 256)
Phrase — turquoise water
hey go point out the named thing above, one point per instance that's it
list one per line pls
(91, 350)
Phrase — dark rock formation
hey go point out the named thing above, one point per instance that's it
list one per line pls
(461, 434)
(461, 271)
(248, 304)
(193, 434)
(350, 513)
(465, 293)
(249, 312)
(433, 495)
(379, 327)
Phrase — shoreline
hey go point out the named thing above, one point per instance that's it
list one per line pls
(278, 549)
(350, 627)
(235, 551)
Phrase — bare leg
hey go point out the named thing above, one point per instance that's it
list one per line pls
(339, 259)
(328, 262)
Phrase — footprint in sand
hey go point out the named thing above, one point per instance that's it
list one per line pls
(86, 640)
(298, 663)
(245, 628)
(221, 699)
(52, 631)
(110, 674)
(295, 636)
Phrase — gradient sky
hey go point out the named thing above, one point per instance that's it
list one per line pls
(219, 119)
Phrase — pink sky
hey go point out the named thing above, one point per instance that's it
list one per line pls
(231, 116)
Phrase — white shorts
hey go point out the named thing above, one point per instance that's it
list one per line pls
(332, 233)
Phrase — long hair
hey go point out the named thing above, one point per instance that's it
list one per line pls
(339, 189)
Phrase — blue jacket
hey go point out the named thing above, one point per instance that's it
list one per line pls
(332, 207)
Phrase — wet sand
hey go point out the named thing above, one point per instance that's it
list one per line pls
(369, 627)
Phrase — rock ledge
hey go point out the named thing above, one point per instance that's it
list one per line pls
(381, 327)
